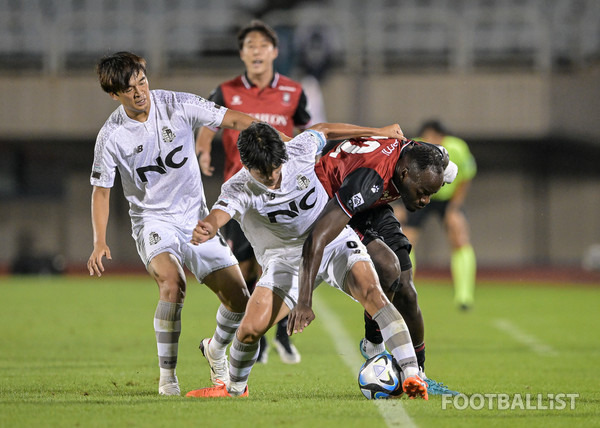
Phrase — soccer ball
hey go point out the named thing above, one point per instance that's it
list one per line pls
(379, 377)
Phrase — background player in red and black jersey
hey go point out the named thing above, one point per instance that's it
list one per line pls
(270, 97)
(362, 176)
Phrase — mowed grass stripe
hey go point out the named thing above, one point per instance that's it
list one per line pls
(393, 413)
(531, 342)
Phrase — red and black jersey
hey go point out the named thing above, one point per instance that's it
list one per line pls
(358, 172)
(282, 105)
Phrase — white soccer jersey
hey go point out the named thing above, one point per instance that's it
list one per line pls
(156, 159)
(277, 222)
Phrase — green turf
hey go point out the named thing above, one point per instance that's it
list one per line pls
(80, 352)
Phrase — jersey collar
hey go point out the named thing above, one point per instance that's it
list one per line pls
(248, 84)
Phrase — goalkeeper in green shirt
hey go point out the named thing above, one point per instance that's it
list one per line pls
(447, 203)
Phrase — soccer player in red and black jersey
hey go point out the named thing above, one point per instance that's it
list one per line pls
(275, 99)
(362, 176)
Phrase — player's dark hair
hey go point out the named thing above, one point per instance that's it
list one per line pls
(115, 71)
(257, 25)
(261, 148)
(433, 125)
(424, 156)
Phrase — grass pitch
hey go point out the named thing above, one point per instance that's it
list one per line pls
(80, 352)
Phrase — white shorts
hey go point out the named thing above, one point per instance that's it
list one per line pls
(157, 237)
(281, 275)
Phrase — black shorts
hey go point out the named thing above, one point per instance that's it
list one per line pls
(381, 223)
(241, 248)
(416, 219)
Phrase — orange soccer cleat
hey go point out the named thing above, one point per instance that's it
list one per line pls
(415, 387)
(219, 390)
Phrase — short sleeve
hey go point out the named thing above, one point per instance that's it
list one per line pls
(360, 190)
(301, 115)
(200, 111)
(216, 96)
(105, 166)
(234, 199)
(309, 142)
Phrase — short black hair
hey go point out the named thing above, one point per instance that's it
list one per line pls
(115, 71)
(261, 148)
(257, 25)
(433, 125)
(424, 156)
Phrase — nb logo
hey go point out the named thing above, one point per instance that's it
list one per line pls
(294, 208)
(161, 167)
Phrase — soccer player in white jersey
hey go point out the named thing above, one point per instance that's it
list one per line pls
(149, 139)
(276, 198)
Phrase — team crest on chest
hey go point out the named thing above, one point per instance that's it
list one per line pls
(236, 100)
(286, 97)
(167, 134)
(302, 182)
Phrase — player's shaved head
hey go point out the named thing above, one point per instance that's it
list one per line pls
(425, 156)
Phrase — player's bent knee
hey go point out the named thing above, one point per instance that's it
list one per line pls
(249, 334)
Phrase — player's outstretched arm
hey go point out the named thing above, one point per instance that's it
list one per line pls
(203, 150)
(330, 224)
(207, 229)
(100, 211)
(239, 121)
(336, 131)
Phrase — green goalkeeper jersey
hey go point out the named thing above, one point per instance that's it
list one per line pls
(467, 168)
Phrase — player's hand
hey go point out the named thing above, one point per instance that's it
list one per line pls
(94, 263)
(205, 166)
(202, 232)
(299, 318)
(393, 131)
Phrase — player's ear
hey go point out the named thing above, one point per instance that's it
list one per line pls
(114, 96)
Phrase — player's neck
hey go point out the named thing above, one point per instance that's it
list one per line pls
(261, 80)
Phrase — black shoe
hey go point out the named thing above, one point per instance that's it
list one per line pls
(263, 351)
(286, 350)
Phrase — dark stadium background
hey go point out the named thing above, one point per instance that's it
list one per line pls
(518, 79)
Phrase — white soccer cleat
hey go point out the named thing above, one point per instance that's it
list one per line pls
(286, 350)
(369, 349)
(168, 386)
(219, 368)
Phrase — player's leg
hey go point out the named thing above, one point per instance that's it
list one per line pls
(362, 284)
(388, 271)
(346, 265)
(170, 278)
(463, 262)
(214, 265)
(411, 226)
(264, 309)
(382, 223)
(242, 250)
(229, 286)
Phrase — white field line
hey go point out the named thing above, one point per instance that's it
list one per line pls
(524, 338)
(392, 411)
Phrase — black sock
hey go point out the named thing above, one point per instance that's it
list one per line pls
(372, 332)
(282, 328)
(420, 351)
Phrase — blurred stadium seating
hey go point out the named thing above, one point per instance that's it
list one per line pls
(53, 36)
